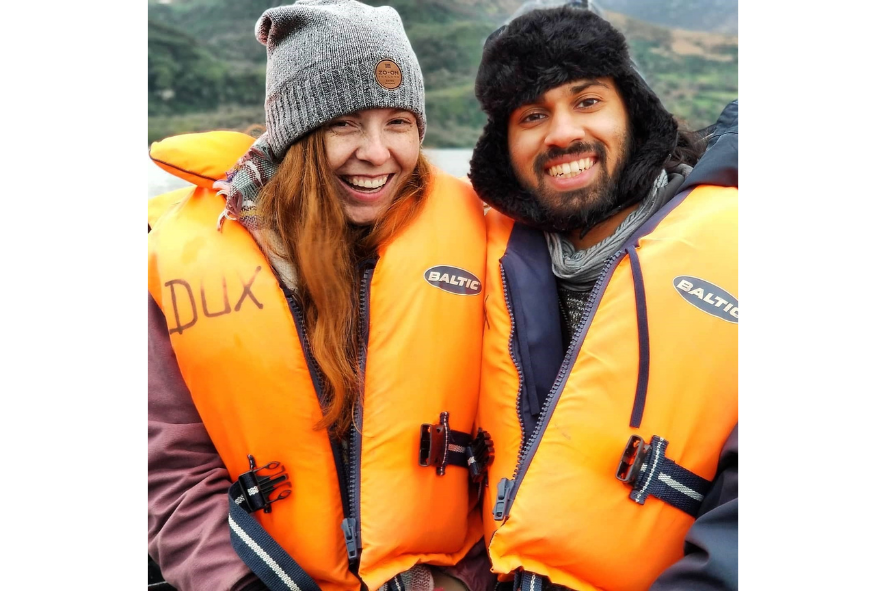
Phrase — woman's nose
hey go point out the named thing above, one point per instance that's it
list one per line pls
(373, 149)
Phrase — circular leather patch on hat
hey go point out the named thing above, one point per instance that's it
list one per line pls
(388, 75)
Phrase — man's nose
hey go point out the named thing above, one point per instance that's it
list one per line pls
(373, 149)
(563, 130)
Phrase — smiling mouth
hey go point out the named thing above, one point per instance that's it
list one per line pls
(570, 169)
(366, 184)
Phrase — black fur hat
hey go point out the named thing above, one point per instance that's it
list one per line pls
(541, 50)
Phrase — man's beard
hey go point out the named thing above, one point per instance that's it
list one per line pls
(587, 206)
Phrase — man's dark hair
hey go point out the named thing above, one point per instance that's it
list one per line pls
(689, 149)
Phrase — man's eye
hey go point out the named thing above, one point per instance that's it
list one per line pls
(401, 122)
(532, 117)
(588, 102)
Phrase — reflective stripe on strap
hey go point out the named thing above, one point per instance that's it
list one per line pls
(527, 581)
(395, 584)
(662, 478)
(457, 449)
(261, 553)
(440, 446)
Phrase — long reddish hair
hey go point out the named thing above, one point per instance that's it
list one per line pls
(302, 205)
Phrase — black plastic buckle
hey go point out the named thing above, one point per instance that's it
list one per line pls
(257, 488)
(433, 446)
(480, 454)
(632, 460)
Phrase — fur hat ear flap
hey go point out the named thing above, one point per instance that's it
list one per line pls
(492, 176)
(653, 136)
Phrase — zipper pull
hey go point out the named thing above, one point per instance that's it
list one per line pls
(349, 526)
(505, 487)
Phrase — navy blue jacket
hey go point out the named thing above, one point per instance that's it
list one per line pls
(711, 550)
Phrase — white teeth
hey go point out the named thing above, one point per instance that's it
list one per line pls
(570, 169)
(367, 182)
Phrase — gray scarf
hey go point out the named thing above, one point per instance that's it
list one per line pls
(578, 270)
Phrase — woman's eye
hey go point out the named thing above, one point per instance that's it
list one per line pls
(401, 121)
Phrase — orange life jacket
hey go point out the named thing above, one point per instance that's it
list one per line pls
(565, 515)
(241, 356)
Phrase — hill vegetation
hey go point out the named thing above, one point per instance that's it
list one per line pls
(206, 70)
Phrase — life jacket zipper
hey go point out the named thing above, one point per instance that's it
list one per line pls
(314, 369)
(507, 488)
(505, 485)
(351, 524)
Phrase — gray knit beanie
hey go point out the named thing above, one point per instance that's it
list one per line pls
(327, 58)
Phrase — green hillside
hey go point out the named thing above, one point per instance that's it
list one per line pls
(206, 70)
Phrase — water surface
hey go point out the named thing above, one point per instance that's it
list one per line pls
(455, 162)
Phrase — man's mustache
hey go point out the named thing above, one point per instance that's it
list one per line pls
(542, 159)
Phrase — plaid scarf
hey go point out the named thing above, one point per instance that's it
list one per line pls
(241, 188)
(242, 184)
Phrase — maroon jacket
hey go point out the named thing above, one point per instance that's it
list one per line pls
(188, 533)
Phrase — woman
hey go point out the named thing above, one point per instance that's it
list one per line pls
(314, 338)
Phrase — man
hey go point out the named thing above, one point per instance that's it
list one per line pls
(610, 355)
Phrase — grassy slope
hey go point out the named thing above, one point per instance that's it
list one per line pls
(695, 74)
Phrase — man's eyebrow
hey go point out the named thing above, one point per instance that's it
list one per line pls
(579, 87)
(573, 89)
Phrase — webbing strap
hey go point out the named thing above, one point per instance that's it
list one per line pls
(662, 478)
(261, 553)
(457, 454)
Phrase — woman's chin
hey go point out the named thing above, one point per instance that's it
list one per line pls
(363, 214)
